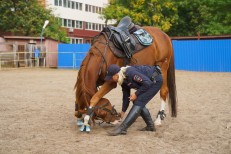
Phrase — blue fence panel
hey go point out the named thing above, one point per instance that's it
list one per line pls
(71, 55)
(192, 55)
(203, 55)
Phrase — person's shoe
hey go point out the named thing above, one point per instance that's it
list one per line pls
(129, 120)
(152, 129)
(145, 114)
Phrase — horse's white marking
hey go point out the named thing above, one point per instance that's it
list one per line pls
(158, 120)
(162, 107)
(115, 122)
(86, 120)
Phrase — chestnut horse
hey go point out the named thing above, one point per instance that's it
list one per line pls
(100, 56)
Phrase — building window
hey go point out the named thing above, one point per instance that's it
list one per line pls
(74, 40)
(80, 6)
(89, 8)
(101, 27)
(60, 2)
(69, 23)
(73, 5)
(69, 4)
(77, 5)
(93, 9)
(73, 23)
(96, 9)
(65, 3)
(86, 7)
(65, 22)
(79, 24)
(97, 26)
(93, 26)
(88, 25)
(79, 41)
(56, 3)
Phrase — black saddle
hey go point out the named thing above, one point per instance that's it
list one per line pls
(122, 39)
(121, 36)
(125, 23)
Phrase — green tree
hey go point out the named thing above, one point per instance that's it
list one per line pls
(209, 17)
(218, 18)
(159, 13)
(26, 17)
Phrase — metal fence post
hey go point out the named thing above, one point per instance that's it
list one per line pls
(73, 60)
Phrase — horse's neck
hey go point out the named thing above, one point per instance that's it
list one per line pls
(86, 82)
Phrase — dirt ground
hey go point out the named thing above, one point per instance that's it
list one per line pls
(37, 116)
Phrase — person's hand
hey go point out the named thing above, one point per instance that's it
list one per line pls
(133, 97)
(122, 114)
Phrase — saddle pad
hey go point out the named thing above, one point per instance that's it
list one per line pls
(143, 37)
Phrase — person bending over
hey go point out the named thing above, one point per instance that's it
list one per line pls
(147, 80)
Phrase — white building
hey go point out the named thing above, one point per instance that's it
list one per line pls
(80, 17)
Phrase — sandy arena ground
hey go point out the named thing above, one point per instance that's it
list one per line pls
(37, 116)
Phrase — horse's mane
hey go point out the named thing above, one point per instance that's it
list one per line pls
(83, 93)
(80, 86)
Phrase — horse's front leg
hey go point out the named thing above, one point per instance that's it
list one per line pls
(106, 87)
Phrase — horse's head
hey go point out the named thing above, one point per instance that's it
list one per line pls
(106, 112)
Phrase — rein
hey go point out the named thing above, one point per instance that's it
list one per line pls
(103, 56)
(104, 53)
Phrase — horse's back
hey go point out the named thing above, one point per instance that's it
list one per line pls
(158, 51)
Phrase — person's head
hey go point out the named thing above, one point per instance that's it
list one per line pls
(112, 73)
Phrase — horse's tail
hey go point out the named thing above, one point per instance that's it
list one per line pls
(172, 86)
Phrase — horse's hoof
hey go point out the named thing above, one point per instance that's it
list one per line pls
(88, 129)
(82, 128)
(85, 128)
(79, 122)
(158, 122)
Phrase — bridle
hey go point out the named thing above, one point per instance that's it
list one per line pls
(103, 53)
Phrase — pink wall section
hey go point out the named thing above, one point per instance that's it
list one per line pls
(51, 46)
(52, 56)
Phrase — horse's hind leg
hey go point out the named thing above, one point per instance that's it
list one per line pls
(163, 95)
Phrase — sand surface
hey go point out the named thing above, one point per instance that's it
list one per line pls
(37, 116)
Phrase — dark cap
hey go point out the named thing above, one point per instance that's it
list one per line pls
(112, 70)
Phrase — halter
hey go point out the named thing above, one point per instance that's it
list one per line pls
(112, 112)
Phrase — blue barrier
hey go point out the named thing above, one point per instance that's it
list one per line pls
(71, 55)
(203, 55)
(191, 55)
